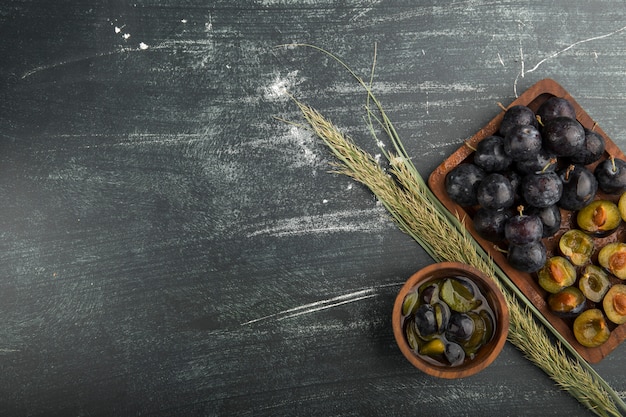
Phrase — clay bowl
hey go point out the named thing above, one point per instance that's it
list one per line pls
(487, 353)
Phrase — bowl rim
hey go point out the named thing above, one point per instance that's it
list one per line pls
(501, 311)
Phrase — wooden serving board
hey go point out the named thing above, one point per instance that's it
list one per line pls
(527, 283)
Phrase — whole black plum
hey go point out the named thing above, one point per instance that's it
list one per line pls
(490, 155)
(495, 192)
(515, 116)
(543, 161)
(550, 217)
(611, 175)
(462, 182)
(555, 107)
(592, 148)
(563, 136)
(541, 189)
(527, 258)
(579, 187)
(522, 142)
(522, 228)
(489, 224)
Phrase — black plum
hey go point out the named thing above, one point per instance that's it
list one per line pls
(522, 229)
(426, 320)
(550, 217)
(542, 161)
(462, 183)
(592, 149)
(563, 136)
(460, 327)
(515, 116)
(541, 189)
(611, 175)
(515, 179)
(495, 192)
(489, 224)
(579, 187)
(454, 354)
(522, 142)
(527, 258)
(555, 107)
(490, 155)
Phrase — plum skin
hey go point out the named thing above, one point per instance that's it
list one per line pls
(517, 115)
(523, 229)
(579, 187)
(542, 189)
(611, 175)
(489, 224)
(564, 136)
(462, 183)
(490, 155)
(495, 192)
(555, 107)
(527, 258)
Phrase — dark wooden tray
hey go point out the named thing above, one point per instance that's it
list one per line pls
(527, 283)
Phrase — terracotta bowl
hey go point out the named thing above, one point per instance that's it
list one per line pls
(486, 353)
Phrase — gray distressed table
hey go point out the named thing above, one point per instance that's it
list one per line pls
(169, 248)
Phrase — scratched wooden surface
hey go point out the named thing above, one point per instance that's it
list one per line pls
(169, 248)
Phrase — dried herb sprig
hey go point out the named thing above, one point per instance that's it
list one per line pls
(416, 210)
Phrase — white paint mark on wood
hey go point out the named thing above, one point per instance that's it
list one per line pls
(325, 304)
(279, 89)
(316, 306)
(521, 57)
(76, 60)
(557, 53)
(119, 30)
(369, 220)
(405, 87)
(309, 155)
(360, 14)
(523, 72)
(493, 36)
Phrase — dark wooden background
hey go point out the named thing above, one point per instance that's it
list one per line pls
(168, 248)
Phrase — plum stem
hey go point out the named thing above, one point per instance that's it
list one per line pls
(499, 249)
(466, 143)
(551, 162)
(539, 120)
(613, 163)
